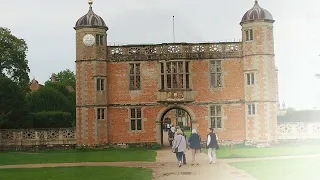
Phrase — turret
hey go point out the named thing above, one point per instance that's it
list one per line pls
(91, 79)
(259, 74)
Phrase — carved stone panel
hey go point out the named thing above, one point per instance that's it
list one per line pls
(175, 95)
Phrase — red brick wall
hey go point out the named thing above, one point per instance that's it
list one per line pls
(118, 93)
(118, 83)
(233, 81)
(119, 123)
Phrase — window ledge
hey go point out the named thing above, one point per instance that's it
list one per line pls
(169, 90)
(134, 89)
(136, 131)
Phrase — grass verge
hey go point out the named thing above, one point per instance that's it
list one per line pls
(70, 156)
(77, 173)
(293, 169)
(241, 151)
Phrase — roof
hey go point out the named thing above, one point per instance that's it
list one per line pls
(257, 13)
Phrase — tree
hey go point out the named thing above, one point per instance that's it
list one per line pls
(70, 95)
(67, 77)
(48, 99)
(51, 108)
(12, 104)
(13, 62)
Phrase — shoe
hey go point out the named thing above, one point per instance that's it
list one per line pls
(184, 163)
(197, 164)
(192, 164)
(210, 162)
(179, 164)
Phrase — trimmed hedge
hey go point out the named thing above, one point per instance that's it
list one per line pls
(48, 99)
(52, 119)
(300, 116)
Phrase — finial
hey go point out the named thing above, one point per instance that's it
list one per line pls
(90, 3)
(256, 2)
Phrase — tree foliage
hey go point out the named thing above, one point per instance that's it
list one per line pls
(13, 62)
(12, 103)
(70, 95)
(52, 119)
(300, 116)
(67, 77)
(48, 99)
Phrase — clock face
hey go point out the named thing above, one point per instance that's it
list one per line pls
(89, 40)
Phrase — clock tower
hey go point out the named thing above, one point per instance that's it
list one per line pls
(91, 79)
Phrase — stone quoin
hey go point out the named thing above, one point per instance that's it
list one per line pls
(124, 91)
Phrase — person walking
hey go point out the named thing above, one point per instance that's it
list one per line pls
(212, 145)
(171, 133)
(179, 146)
(184, 159)
(195, 145)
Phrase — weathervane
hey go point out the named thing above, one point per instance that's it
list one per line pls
(90, 3)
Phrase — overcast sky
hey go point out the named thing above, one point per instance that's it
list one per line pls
(47, 26)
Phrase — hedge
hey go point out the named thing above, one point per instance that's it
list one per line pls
(52, 119)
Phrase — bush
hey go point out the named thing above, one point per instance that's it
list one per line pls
(13, 109)
(156, 146)
(186, 128)
(48, 99)
(52, 119)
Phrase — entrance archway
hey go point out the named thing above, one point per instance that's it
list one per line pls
(174, 115)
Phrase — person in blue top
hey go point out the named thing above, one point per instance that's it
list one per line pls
(195, 145)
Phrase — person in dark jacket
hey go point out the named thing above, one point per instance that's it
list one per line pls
(195, 145)
(212, 144)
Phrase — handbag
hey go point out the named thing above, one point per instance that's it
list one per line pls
(176, 149)
(218, 147)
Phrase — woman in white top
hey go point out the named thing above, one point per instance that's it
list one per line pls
(179, 146)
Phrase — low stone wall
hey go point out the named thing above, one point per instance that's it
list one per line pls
(65, 138)
(298, 130)
(15, 139)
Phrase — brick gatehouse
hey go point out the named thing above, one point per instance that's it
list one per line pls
(124, 92)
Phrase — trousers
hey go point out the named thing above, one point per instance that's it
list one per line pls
(179, 156)
(212, 155)
(194, 152)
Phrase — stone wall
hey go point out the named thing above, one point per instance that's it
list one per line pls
(298, 130)
(37, 137)
(66, 137)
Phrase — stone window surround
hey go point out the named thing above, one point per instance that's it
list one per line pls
(222, 74)
(251, 76)
(249, 35)
(128, 120)
(100, 39)
(101, 81)
(223, 117)
(184, 74)
(100, 113)
(251, 106)
(139, 88)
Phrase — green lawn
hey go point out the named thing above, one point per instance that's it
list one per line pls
(108, 155)
(241, 151)
(282, 169)
(77, 173)
(187, 133)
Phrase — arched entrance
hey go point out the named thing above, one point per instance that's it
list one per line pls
(174, 115)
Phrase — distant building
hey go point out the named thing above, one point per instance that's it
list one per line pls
(124, 92)
(34, 85)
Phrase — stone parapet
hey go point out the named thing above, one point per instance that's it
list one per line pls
(37, 137)
(175, 51)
